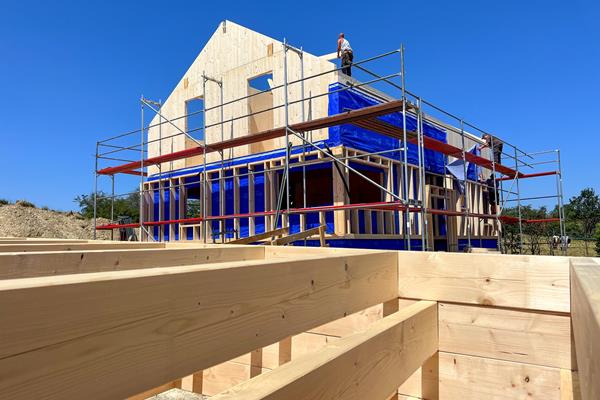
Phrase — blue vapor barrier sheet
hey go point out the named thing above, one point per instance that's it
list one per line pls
(363, 139)
(456, 169)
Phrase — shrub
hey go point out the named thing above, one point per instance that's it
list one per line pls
(597, 239)
(4, 202)
(25, 203)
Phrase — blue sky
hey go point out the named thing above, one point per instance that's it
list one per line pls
(72, 72)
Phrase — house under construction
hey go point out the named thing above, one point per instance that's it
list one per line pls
(260, 136)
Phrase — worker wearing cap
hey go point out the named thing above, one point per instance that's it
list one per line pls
(345, 51)
(495, 144)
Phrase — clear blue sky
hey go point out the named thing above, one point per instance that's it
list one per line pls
(72, 72)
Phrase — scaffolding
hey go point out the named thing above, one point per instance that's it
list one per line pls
(397, 203)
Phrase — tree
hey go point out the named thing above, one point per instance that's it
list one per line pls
(585, 210)
(534, 235)
(598, 240)
(123, 206)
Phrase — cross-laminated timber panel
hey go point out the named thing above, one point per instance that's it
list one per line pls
(67, 334)
(585, 294)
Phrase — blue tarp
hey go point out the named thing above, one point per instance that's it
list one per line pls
(456, 169)
(363, 139)
(348, 135)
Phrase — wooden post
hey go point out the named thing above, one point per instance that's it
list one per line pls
(172, 208)
(251, 203)
(340, 197)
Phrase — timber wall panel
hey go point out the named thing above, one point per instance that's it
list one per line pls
(97, 330)
(528, 282)
(585, 273)
(512, 335)
(466, 377)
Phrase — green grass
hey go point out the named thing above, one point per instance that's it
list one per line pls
(576, 249)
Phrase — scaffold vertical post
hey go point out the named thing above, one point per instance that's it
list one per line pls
(561, 210)
(96, 192)
(303, 133)
(495, 194)
(421, 160)
(519, 202)
(161, 229)
(519, 211)
(112, 206)
(204, 173)
(287, 123)
(142, 170)
(405, 198)
(466, 184)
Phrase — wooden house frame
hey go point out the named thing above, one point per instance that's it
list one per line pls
(363, 196)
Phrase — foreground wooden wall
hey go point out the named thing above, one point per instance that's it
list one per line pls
(504, 329)
(301, 322)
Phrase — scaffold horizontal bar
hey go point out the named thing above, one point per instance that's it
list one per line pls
(320, 123)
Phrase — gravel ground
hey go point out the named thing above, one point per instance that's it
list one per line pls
(178, 394)
(20, 221)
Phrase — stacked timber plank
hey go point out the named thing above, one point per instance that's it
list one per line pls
(111, 320)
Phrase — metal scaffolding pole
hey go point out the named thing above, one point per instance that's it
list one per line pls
(204, 172)
(304, 133)
(405, 214)
(161, 203)
(465, 183)
(519, 204)
(561, 210)
(96, 192)
(421, 161)
(112, 207)
(142, 170)
(222, 178)
(285, 183)
(495, 194)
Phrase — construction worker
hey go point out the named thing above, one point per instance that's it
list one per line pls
(345, 51)
(495, 144)
(492, 194)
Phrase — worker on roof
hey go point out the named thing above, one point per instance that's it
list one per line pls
(494, 144)
(345, 51)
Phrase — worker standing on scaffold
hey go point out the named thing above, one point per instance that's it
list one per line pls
(494, 144)
(345, 51)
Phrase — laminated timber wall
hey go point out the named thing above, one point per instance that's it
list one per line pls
(234, 54)
(112, 322)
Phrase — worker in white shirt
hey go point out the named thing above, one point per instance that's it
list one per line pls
(345, 51)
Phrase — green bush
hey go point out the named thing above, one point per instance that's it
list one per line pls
(25, 203)
(4, 202)
(123, 206)
(597, 239)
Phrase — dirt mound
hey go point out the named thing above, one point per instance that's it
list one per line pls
(23, 220)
